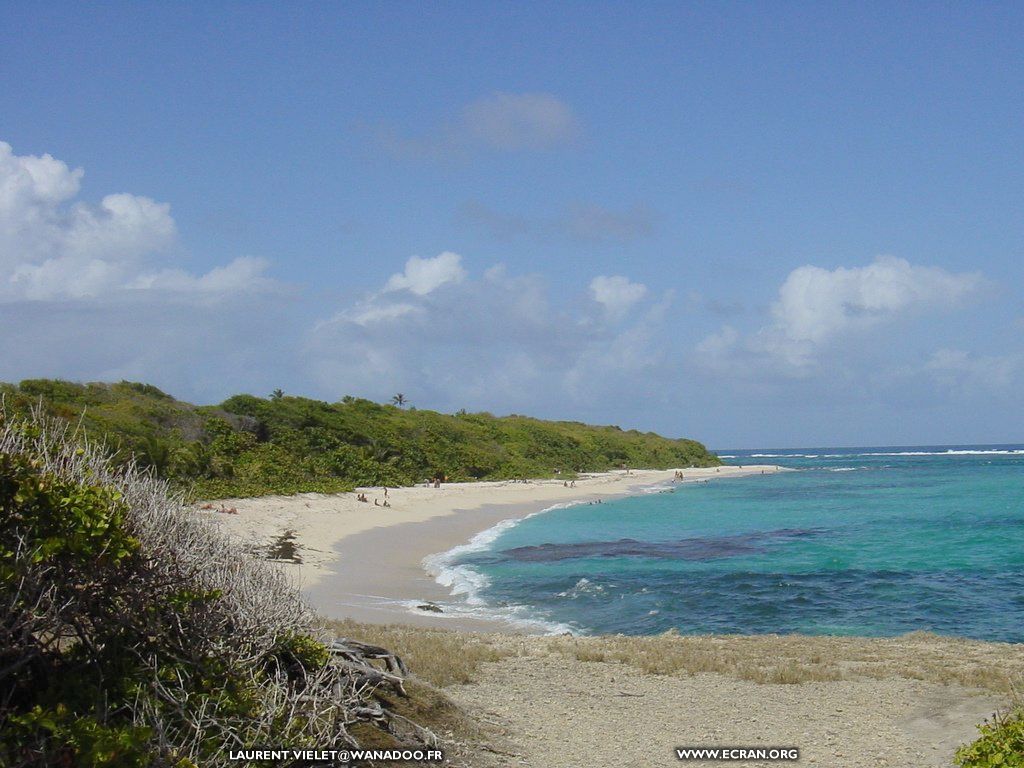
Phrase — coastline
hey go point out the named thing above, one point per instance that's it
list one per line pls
(855, 702)
(364, 562)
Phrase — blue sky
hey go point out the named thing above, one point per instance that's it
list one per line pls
(758, 225)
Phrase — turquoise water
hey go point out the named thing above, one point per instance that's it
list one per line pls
(871, 541)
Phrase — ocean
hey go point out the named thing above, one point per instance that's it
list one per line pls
(854, 541)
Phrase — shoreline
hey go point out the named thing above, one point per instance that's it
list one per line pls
(859, 702)
(365, 562)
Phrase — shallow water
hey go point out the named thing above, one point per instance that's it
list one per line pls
(876, 541)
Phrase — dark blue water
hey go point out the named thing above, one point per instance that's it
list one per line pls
(877, 541)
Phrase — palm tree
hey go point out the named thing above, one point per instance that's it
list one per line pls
(399, 400)
(277, 394)
(156, 454)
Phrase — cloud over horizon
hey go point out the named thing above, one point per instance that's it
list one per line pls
(55, 247)
(100, 291)
(816, 308)
(468, 342)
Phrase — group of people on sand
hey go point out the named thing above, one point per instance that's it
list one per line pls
(376, 501)
(569, 483)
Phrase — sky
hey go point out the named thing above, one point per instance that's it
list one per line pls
(754, 224)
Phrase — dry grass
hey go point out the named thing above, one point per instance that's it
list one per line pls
(796, 659)
(443, 657)
(438, 656)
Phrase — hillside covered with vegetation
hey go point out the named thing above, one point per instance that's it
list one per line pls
(249, 446)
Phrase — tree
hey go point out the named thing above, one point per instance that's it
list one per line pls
(399, 400)
(277, 394)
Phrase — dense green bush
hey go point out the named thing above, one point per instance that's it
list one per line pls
(1001, 744)
(251, 446)
(133, 633)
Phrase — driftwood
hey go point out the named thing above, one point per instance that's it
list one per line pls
(356, 659)
(353, 650)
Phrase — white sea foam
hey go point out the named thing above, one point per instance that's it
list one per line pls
(666, 488)
(516, 615)
(467, 583)
(947, 452)
(785, 455)
(582, 587)
(952, 452)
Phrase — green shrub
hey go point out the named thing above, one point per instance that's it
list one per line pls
(1001, 744)
(251, 446)
(133, 633)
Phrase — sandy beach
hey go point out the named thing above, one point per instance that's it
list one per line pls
(358, 560)
(905, 702)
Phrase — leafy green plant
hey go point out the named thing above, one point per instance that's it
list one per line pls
(1001, 744)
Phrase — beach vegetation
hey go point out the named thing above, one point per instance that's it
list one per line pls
(252, 446)
(1001, 744)
(135, 633)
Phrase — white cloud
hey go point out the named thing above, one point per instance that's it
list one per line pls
(815, 304)
(964, 371)
(53, 247)
(367, 313)
(423, 276)
(37, 229)
(616, 294)
(242, 275)
(817, 307)
(497, 338)
(90, 292)
(719, 343)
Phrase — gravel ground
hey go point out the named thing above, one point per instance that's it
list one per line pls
(550, 711)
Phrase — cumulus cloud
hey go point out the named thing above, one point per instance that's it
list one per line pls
(50, 245)
(423, 276)
(54, 247)
(89, 291)
(816, 307)
(815, 304)
(494, 338)
(499, 122)
(616, 294)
